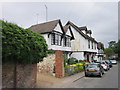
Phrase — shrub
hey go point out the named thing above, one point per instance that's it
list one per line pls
(72, 61)
(51, 51)
(21, 45)
(81, 61)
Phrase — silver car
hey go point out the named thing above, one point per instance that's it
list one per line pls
(94, 69)
(113, 61)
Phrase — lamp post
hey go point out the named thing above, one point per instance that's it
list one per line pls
(46, 12)
(37, 17)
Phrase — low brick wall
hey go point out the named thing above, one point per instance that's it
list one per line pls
(23, 77)
(8, 75)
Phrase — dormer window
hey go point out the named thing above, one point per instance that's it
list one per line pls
(67, 42)
(88, 43)
(92, 44)
(56, 39)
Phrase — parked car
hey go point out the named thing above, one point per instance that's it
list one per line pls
(94, 69)
(105, 65)
(113, 61)
(109, 63)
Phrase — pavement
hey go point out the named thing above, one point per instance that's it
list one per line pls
(48, 81)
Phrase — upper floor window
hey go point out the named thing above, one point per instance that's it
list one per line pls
(92, 44)
(56, 39)
(95, 46)
(88, 43)
(66, 42)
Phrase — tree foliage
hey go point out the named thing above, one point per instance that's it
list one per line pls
(114, 48)
(108, 51)
(21, 45)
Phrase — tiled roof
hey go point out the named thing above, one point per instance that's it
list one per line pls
(45, 27)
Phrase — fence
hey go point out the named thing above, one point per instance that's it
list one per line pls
(72, 69)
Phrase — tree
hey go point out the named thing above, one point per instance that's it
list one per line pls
(117, 47)
(21, 45)
(112, 44)
(108, 51)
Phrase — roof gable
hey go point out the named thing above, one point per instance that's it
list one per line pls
(58, 28)
(68, 31)
(77, 29)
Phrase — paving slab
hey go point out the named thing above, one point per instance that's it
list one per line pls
(48, 81)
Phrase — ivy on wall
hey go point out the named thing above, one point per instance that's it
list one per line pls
(22, 45)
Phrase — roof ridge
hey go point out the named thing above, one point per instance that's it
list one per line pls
(46, 22)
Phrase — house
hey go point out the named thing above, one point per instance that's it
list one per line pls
(100, 54)
(84, 47)
(57, 37)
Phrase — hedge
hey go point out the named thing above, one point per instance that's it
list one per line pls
(22, 45)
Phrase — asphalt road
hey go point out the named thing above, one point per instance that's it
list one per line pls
(109, 80)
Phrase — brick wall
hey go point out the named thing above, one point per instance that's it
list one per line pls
(25, 76)
(59, 64)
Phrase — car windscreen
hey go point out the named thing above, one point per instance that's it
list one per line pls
(92, 66)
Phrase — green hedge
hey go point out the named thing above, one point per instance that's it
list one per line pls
(22, 45)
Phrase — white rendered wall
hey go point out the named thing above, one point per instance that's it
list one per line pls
(78, 55)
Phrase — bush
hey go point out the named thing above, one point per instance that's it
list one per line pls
(51, 51)
(72, 61)
(22, 45)
(81, 61)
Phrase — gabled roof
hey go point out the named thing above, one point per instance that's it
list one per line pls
(83, 28)
(46, 27)
(79, 30)
(66, 27)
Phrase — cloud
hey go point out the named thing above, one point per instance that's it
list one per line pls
(100, 17)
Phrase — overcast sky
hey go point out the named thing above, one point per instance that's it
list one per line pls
(100, 17)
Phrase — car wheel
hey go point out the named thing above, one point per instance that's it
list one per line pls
(103, 72)
(100, 74)
(86, 75)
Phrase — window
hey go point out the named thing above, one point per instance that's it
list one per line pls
(56, 39)
(67, 42)
(88, 43)
(53, 38)
(92, 44)
(95, 46)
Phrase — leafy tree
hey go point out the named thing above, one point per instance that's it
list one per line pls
(108, 51)
(112, 44)
(21, 45)
(117, 47)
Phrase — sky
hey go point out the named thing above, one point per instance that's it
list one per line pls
(100, 17)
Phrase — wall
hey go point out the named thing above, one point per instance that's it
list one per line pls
(59, 64)
(80, 43)
(47, 65)
(53, 64)
(24, 76)
(78, 55)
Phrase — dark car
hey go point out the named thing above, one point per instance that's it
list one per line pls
(94, 69)
(109, 63)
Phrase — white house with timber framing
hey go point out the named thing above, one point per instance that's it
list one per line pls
(56, 36)
(84, 47)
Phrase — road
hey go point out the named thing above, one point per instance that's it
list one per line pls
(109, 80)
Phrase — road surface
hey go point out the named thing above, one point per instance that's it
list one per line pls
(109, 80)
